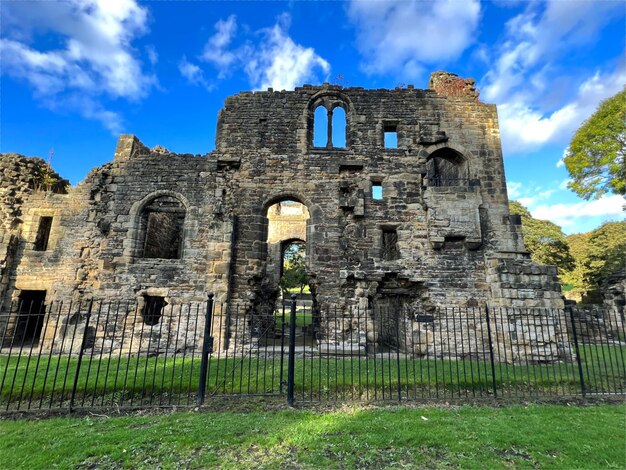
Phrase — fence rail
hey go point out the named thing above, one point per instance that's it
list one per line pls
(115, 354)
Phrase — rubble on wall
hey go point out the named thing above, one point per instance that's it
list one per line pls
(450, 84)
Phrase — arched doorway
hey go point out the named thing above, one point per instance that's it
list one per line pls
(287, 222)
(288, 263)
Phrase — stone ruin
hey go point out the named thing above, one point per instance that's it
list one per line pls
(404, 197)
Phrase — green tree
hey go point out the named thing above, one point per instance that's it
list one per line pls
(544, 240)
(596, 157)
(597, 254)
(294, 268)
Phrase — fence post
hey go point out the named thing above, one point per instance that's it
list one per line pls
(292, 353)
(80, 355)
(207, 348)
(493, 366)
(580, 366)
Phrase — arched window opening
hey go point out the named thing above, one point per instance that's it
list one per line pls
(446, 167)
(339, 127)
(162, 222)
(320, 127)
(329, 123)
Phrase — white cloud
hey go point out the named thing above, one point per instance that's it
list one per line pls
(215, 50)
(532, 93)
(274, 61)
(529, 195)
(569, 215)
(523, 126)
(282, 64)
(514, 189)
(94, 56)
(399, 35)
(153, 56)
(563, 184)
(193, 73)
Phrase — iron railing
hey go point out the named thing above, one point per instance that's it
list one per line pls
(115, 354)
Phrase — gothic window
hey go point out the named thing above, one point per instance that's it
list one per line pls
(320, 127)
(330, 123)
(162, 222)
(338, 127)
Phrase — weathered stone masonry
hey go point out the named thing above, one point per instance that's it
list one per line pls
(440, 236)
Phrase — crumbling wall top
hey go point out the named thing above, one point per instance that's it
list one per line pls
(450, 84)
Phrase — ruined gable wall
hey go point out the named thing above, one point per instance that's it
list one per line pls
(450, 240)
(137, 176)
(269, 134)
(29, 190)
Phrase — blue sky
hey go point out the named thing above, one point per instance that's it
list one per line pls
(76, 74)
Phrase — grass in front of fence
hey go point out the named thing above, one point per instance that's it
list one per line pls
(466, 437)
(47, 382)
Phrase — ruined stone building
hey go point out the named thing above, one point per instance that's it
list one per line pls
(404, 195)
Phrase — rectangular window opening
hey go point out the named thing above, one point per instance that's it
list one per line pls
(390, 250)
(152, 309)
(43, 234)
(391, 136)
(377, 190)
(31, 315)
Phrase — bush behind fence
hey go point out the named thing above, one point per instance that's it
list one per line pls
(116, 354)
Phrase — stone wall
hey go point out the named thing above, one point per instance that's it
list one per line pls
(614, 292)
(454, 242)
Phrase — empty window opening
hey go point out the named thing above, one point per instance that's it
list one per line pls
(391, 136)
(320, 127)
(31, 315)
(330, 125)
(377, 190)
(390, 244)
(446, 167)
(338, 127)
(43, 234)
(152, 309)
(163, 223)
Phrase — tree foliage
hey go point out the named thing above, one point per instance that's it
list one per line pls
(596, 157)
(597, 255)
(544, 240)
(294, 268)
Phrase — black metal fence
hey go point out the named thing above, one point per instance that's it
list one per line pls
(115, 354)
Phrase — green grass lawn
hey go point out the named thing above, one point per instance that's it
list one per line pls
(538, 436)
(45, 382)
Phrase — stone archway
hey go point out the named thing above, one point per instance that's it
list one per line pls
(287, 222)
